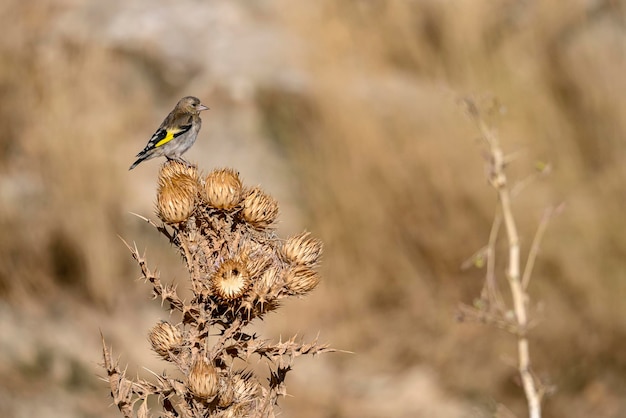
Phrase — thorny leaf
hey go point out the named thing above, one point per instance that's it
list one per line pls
(277, 380)
(120, 387)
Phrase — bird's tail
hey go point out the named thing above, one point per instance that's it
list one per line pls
(136, 163)
(142, 156)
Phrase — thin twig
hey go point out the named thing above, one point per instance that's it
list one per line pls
(536, 244)
(490, 277)
(161, 228)
(498, 180)
(524, 183)
(497, 320)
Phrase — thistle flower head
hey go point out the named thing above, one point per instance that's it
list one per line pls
(259, 209)
(302, 249)
(244, 388)
(231, 280)
(257, 264)
(176, 197)
(300, 280)
(203, 380)
(165, 339)
(226, 393)
(223, 189)
(268, 286)
(173, 168)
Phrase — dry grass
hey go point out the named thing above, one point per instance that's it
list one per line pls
(60, 103)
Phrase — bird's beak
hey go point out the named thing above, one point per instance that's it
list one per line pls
(202, 107)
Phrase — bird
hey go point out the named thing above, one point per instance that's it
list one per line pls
(176, 134)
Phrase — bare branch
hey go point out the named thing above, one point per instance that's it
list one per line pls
(498, 179)
(535, 246)
(161, 228)
(490, 280)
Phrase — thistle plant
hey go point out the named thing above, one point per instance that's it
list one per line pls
(239, 271)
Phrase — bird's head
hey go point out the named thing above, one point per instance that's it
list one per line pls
(191, 104)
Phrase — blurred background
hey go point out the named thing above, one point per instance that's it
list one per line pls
(350, 114)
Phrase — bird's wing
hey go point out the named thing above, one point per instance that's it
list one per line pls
(163, 136)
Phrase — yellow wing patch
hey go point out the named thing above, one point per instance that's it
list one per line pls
(168, 137)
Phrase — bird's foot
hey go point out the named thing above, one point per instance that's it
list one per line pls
(183, 161)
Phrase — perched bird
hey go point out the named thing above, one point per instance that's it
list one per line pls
(176, 134)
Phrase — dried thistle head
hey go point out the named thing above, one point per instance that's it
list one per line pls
(300, 280)
(176, 198)
(302, 249)
(257, 263)
(203, 380)
(231, 280)
(223, 189)
(268, 286)
(244, 388)
(259, 209)
(173, 168)
(165, 339)
(226, 393)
